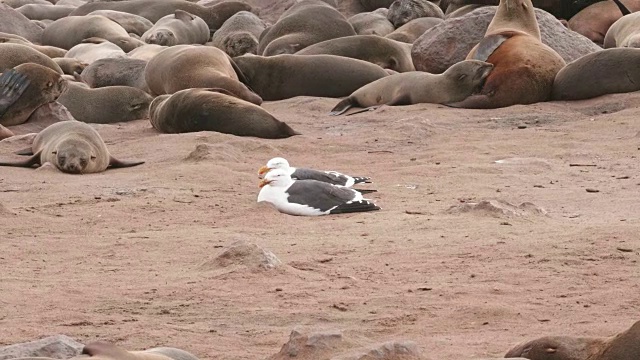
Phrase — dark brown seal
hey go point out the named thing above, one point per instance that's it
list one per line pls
(195, 110)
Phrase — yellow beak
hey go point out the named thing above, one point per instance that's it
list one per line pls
(263, 170)
(264, 182)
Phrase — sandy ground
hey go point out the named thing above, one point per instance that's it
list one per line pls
(119, 256)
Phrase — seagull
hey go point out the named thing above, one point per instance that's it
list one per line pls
(310, 197)
(331, 177)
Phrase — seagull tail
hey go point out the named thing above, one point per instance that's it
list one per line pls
(361, 180)
(355, 206)
(365, 191)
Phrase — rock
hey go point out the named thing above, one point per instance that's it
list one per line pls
(449, 42)
(57, 347)
(498, 208)
(316, 346)
(393, 350)
(243, 254)
(13, 22)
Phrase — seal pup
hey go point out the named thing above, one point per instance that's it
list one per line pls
(310, 197)
(625, 32)
(176, 29)
(386, 53)
(411, 31)
(133, 24)
(101, 350)
(331, 177)
(73, 147)
(116, 72)
(524, 67)
(94, 49)
(106, 105)
(608, 71)
(285, 76)
(460, 81)
(185, 66)
(154, 10)
(70, 31)
(12, 54)
(305, 23)
(240, 34)
(193, 110)
(403, 11)
(45, 86)
(372, 23)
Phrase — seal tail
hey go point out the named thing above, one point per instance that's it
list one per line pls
(342, 107)
(623, 9)
(33, 160)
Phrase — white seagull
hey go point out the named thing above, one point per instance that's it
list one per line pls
(310, 197)
(331, 177)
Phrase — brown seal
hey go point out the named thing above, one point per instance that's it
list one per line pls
(608, 71)
(73, 147)
(595, 20)
(372, 23)
(70, 66)
(386, 53)
(305, 23)
(94, 49)
(100, 350)
(411, 31)
(154, 10)
(185, 66)
(12, 55)
(133, 24)
(624, 33)
(44, 11)
(240, 34)
(623, 346)
(45, 86)
(116, 72)
(72, 30)
(456, 84)
(286, 76)
(177, 28)
(193, 110)
(50, 51)
(106, 105)
(146, 52)
(403, 11)
(524, 67)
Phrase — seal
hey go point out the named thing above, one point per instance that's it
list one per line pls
(239, 35)
(595, 20)
(116, 72)
(146, 52)
(94, 49)
(184, 66)
(625, 32)
(456, 84)
(154, 10)
(106, 105)
(411, 31)
(100, 350)
(371, 5)
(12, 55)
(73, 147)
(50, 51)
(44, 12)
(305, 23)
(608, 71)
(70, 66)
(193, 110)
(623, 346)
(12, 86)
(132, 23)
(45, 86)
(386, 53)
(372, 23)
(524, 67)
(403, 11)
(285, 76)
(72, 30)
(177, 28)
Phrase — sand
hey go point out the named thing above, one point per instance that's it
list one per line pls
(122, 256)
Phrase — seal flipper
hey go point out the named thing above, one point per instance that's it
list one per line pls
(488, 45)
(25, 152)
(12, 85)
(473, 102)
(115, 163)
(370, 108)
(623, 9)
(33, 160)
(342, 107)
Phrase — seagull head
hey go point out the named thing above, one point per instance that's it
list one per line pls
(275, 163)
(277, 178)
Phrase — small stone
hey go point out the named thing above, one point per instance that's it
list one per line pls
(522, 126)
(590, 190)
